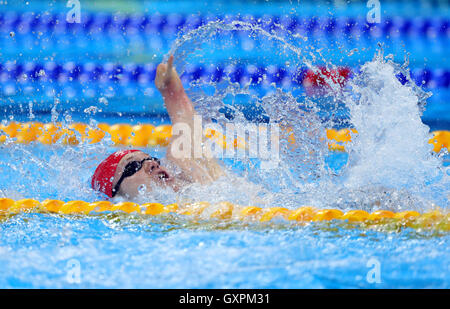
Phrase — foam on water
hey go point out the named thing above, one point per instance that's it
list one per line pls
(391, 148)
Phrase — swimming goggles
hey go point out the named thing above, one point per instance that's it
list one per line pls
(130, 169)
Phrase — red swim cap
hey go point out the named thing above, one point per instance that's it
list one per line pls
(318, 82)
(103, 177)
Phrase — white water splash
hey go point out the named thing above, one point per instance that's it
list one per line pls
(391, 145)
(391, 165)
(391, 150)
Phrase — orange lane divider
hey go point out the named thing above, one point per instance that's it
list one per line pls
(145, 135)
(435, 219)
(338, 139)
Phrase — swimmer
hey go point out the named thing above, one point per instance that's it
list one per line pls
(124, 172)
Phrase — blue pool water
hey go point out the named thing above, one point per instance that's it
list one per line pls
(132, 251)
(44, 251)
(105, 73)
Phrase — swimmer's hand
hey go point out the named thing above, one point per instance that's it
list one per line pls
(168, 82)
(167, 78)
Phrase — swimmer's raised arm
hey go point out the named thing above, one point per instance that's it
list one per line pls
(181, 110)
(168, 82)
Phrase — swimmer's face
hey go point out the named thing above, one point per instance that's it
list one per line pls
(151, 174)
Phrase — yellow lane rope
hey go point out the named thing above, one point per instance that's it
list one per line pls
(436, 219)
(147, 135)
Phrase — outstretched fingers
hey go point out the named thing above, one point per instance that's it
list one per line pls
(169, 68)
(170, 62)
(164, 73)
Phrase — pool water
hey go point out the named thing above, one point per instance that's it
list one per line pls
(118, 250)
(48, 251)
(95, 74)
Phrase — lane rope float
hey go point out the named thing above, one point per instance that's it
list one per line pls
(100, 24)
(148, 135)
(143, 74)
(435, 219)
